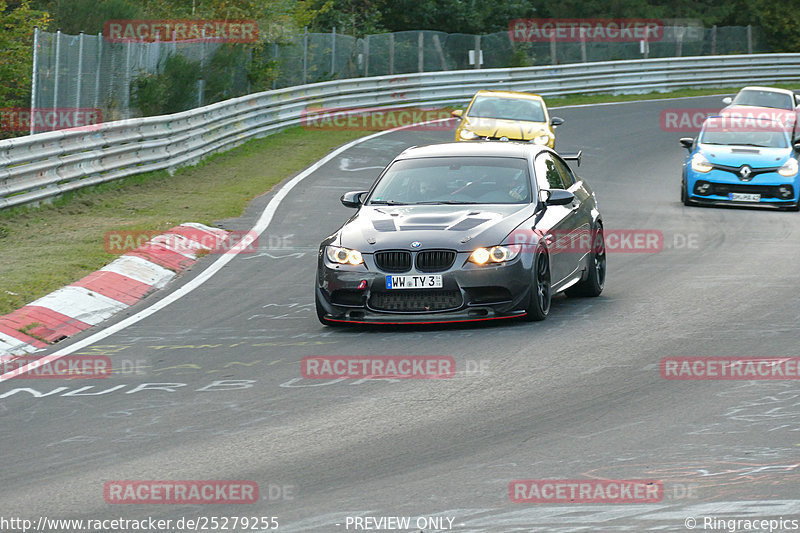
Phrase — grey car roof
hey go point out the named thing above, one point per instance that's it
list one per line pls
(476, 148)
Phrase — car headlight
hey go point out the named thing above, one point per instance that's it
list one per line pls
(343, 256)
(700, 163)
(495, 254)
(468, 135)
(789, 168)
(541, 139)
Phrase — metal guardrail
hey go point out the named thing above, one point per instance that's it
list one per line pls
(45, 165)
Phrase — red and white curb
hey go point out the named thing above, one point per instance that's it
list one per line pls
(102, 294)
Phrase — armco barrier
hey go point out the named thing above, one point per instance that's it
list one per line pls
(44, 165)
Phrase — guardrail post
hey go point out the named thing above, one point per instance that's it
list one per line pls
(34, 76)
(57, 73)
(420, 52)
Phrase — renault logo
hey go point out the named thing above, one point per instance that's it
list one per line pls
(745, 172)
(416, 244)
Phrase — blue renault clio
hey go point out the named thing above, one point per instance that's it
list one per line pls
(743, 161)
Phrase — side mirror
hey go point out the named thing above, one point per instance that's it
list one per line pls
(556, 121)
(727, 100)
(687, 142)
(573, 157)
(457, 113)
(352, 198)
(559, 197)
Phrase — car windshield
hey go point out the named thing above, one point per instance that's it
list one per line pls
(507, 108)
(743, 131)
(758, 98)
(454, 180)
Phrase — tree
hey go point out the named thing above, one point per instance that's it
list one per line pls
(16, 52)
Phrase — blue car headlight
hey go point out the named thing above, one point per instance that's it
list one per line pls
(789, 168)
(700, 163)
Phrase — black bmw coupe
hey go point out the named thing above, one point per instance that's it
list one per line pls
(463, 232)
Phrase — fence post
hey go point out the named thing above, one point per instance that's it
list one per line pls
(420, 52)
(553, 50)
(679, 33)
(97, 73)
(57, 73)
(583, 46)
(366, 56)
(305, 55)
(714, 40)
(391, 53)
(749, 39)
(34, 75)
(275, 58)
(333, 52)
(477, 51)
(80, 72)
(126, 91)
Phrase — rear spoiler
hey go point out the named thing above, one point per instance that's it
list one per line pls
(573, 157)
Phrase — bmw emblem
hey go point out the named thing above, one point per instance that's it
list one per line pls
(416, 244)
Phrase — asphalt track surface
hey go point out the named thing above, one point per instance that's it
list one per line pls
(578, 396)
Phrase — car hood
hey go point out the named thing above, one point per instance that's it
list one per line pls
(786, 116)
(736, 156)
(455, 227)
(513, 129)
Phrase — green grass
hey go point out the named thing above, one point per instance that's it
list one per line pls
(44, 248)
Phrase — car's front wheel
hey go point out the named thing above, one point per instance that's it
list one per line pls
(596, 275)
(540, 294)
(685, 194)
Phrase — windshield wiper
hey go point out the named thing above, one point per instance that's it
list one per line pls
(386, 202)
(448, 202)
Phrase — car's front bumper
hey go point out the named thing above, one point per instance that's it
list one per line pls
(468, 293)
(717, 186)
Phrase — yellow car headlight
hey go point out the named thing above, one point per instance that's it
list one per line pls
(541, 139)
(343, 256)
(468, 135)
(789, 168)
(700, 163)
(495, 254)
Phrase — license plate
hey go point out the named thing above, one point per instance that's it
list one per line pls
(414, 282)
(744, 197)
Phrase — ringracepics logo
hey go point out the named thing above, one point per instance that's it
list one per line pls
(690, 120)
(48, 119)
(148, 31)
(589, 30)
(376, 118)
(585, 491)
(378, 367)
(180, 492)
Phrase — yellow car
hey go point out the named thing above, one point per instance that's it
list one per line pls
(507, 115)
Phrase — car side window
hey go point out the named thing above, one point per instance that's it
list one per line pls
(566, 173)
(548, 175)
